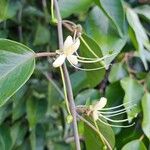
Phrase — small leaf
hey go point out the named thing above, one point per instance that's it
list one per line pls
(5, 138)
(133, 93)
(135, 145)
(86, 95)
(42, 35)
(117, 72)
(68, 7)
(36, 110)
(146, 114)
(139, 32)
(17, 63)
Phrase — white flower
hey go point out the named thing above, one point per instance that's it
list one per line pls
(103, 115)
(70, 47)
(98, 106)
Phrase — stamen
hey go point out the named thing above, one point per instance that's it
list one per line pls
(117, 114)
(87, 69)
(93, 60)
(118, 126)
(111, 108)
(123, 120)
(117, 111)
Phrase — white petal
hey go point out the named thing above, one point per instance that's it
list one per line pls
(100, 104)
(72, 59)
(68, 42)
(59, 61)
(75, 45)
(95, 115)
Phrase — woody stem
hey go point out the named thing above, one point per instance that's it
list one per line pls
(67, 79)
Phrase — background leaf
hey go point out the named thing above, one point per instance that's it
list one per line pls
(133, 93)
(146, 114)
(136, 144)
(114, 11)
(68, 7)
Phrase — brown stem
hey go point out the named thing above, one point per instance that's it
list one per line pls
(45, 54)
(67, 79)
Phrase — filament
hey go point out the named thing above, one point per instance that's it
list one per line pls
(117, 114)
(111, 108)
(88, 69)
(112, 125)
(124, 120)
(93, 60)
(117, 111)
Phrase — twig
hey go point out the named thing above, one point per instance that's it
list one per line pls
(67, 79)
(45, 54)
(20, 26)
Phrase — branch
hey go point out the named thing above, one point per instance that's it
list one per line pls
(45, 54)
(67, 79)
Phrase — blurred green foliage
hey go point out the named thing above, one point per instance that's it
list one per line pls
(34, 118)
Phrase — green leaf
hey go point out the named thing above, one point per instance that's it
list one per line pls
(136, 144)
(144, 11)
(19, 101)
(8, 9)
(104, 34)
(68, 7)
(113, 98)
(117, 72)
(5, 138)
(84, 51)
(3, 9)
(16, 64)
(42, 35)
(146, 114)
(133, 93)
(114, 11)
(139, 33)
(18, 132)
(55, 95)
(77, 82)
(87, 95)
(87, 80)
(93, 140)
(36, 110)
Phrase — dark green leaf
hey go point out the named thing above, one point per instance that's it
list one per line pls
(5, 138)
(84, 51)
(16, 64)
(36, 110)
(42, 35)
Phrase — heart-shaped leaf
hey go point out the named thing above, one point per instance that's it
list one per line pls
(17, 63)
